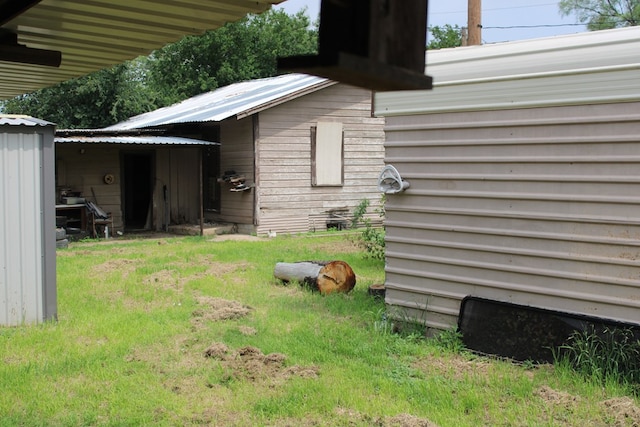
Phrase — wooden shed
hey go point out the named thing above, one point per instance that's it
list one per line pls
(145, 181)
(523, 168)
(297, 153)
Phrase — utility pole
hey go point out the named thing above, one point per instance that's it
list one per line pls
(474, 25)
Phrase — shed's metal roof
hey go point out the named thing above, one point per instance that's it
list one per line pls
(239, 99)
(137, 139)
(593, 67)
(19, 120)
(99, 33)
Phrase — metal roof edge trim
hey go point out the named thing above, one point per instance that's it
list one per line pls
(134, 140)
(554, 73)
(22, 120)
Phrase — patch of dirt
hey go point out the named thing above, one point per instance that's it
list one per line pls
(251, 364)
(214, 268)
(400, 420)
(163, 279)
(123, 265)
(217, 351)
(218, 269)
(406, 420)
(623, 410)
(559, 406)
(240, 237)
(218, 309)
(247, 330)
(555, 397)
(454, 366)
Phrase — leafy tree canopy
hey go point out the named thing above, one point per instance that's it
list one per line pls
(93, 101)
(603, 14)
(238, 51)
(445, 36)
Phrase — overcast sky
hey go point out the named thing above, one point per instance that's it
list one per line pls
(540, 16)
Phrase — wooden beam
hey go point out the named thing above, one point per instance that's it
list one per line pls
(9, 9)
(376, 44)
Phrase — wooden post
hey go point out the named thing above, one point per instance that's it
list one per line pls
(201, 190)
(474, 14)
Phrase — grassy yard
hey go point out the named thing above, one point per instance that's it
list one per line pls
(195, 331)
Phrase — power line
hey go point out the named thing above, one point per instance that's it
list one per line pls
(531, 26)
(496, 8)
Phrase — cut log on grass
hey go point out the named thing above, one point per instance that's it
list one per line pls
(326, 277)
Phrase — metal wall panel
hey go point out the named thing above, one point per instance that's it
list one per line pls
(27, 225)
(531, 206)
(585, 68)
(100, 33)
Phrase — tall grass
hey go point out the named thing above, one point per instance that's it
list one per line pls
(610, 355)
(135, 324)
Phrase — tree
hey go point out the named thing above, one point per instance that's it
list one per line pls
(238, 51)
(445, 36)
(603, 14)
(96, 100)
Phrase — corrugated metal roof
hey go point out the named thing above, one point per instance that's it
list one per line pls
(99, 33)
(19, 120)
(239, 99)
(137, 139)
(593, 67)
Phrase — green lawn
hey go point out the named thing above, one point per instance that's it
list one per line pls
(196, 331)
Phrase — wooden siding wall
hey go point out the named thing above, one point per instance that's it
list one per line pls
(82, 167)
(532, 206)
(179, 169)
(286, 200)
(236, 153)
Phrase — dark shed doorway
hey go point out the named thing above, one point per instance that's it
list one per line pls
(137, 171)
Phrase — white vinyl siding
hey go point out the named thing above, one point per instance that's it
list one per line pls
(523, 163)
(534, 207)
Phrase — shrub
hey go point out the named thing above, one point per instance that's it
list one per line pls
(372, 237)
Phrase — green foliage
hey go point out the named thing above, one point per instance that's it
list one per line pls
(372, 237)
(603, 14)
(450, 340)
(611, 355)
(238, 51)
(135, 319)
(359, 212)
(97, 100)
(373, 241)
(445, 36)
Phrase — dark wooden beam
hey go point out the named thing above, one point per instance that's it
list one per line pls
(377, 44)
(9, 9)
(12, 51)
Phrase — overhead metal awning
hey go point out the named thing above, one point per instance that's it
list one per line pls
(136, 137)
(86, 36)
(132, 139)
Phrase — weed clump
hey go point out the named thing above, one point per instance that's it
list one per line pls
(372, 237)
(612, 354)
